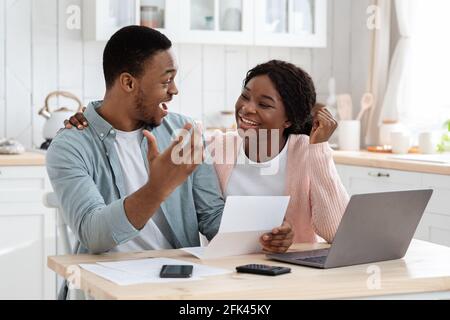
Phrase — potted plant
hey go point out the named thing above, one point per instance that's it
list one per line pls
(444, 145)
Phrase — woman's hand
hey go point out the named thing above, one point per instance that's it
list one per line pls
(323, 126)
(279, 240)
(77, 120)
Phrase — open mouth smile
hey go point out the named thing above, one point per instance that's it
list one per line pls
(248, 121)
(164, 109)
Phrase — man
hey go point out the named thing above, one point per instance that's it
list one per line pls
(118, 189)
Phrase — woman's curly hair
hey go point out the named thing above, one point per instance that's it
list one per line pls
(296, 89)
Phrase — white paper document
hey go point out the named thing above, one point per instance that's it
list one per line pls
(131, 272)
(244, 220)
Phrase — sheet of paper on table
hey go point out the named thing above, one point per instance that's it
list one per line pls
(132, 272)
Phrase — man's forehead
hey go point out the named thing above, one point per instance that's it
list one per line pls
(164, 62)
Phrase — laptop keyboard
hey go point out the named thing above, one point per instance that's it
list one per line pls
(320, 259)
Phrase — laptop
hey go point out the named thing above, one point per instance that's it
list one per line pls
(375, 227)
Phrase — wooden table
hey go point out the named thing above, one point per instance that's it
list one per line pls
(424, 269)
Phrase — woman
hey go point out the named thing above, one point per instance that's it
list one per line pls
(276, 104)
(281, 149)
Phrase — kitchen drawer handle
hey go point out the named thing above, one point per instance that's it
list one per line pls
(379, 174)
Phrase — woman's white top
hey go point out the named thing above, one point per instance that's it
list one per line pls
(251, 178)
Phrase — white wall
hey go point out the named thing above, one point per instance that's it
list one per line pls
(38, 54)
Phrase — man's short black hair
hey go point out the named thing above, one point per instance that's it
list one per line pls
(296, 89)
(129, 49)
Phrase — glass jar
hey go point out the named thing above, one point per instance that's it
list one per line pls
(149, 16)
(209, 23)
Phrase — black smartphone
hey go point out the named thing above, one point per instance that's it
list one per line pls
(263, 269)
(176, 271)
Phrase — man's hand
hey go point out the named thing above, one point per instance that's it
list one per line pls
(172, 167)
(77, 120)
(323, 126)
(166, 173)
(279, 240)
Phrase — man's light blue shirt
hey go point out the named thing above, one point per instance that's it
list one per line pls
(84, 170)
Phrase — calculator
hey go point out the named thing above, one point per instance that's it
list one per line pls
(263, 269)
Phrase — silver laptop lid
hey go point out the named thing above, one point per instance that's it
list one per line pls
(377, 227)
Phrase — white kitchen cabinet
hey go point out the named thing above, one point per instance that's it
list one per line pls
(27, 234)
(291, 23)
(163, 15)
(434, 228)
(435, 223)
(216, 22)
(287, 23)
(102, 18)
(367, 180)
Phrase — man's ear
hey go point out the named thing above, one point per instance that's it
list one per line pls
(127, 82)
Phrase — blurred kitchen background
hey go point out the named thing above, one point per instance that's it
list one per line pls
(348, 46)
(50, 45)
(381, 66)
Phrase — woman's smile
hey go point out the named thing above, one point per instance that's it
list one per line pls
(245, 123)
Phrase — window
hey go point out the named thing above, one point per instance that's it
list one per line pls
(427, 90)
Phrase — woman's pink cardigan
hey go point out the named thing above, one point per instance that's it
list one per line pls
(318, 198)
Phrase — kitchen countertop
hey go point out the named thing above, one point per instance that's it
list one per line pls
(25, 159)
(384, 161)
(362, 158)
